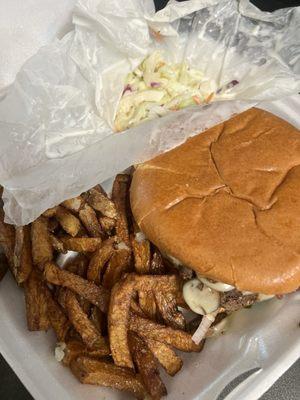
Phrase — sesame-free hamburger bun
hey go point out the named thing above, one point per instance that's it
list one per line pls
(226, 203)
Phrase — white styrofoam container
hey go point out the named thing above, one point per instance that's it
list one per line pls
(265, 337)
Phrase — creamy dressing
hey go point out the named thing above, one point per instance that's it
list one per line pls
(200, 298)
(219, 286)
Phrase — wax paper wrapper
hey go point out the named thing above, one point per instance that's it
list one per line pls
(56, 120)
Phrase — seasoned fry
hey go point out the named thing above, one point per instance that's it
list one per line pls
(120, 198)
(97, 295)
(103, 373)
(99, 259)
(74, 204)
(42, 251)
(57, 317)
(57, 244)
(52, 224)
(51, 212)
(87, 330)
(166, 304)
(102, 203)
(141, 254)
(117, 266)
(3, 266)
(75, 348)
(98, 319)
(88, 245)
(77, 265)
(36, 303)
(157, 266)
(163, 283)
(107, 224)
(147, 303)
(7, 239)
(90, 221)
(147, 367)
(68, 221)
(166, 356)
(118, 321)
(135, 308)
(22, 254)
(173, 337)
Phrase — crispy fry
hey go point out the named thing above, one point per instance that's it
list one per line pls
(120, 198)
(98, 319)
(52, 224)
(166, 356)
(134, 307)
(57, 244)
(99, 259)
(51, 212)
(36, 303)
(166, 304)
(107, 224)
(22, 254)
(97, 295)
(117, 266)
(90, 221)
(118, 321)
(157, 266)
(74, 204)
(75, 348)
(7, 239)
(41, 246)
(57, 317)
(103, 373)
(88, 245)
(147, 367)
(151, 330)
(147, 303)
(3, 265)
(102, 203)
(68, 221)
(77, 265)
(163, 283)
(141, 254)
(87, 330)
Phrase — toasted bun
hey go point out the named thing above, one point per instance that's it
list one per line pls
(227, 203)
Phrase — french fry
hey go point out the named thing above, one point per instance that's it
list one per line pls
(166, 356)
(41, 246)
(97, 295)
(36, 303)
(74, 204)
(98, 319)
(22, 254)
(52, 225)
(99, 259)
(107, 224)
(77, 265)
(3, 266)
(7, 239)
(120, 198)
(57, 317)
(87, 330)
(147, 303)
(90, 221)
(75, 348)
(100, 202)
(166, 304)
(157, 266)
(118, 321)
(68, 221)
(85, 245)
(147, 367)
(135, 308)
(103, 373)
(173, 337)
(117, 266)
(141, 254)
(51, 212)
(57, 244)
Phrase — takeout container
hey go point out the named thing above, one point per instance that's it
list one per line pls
(264, 339)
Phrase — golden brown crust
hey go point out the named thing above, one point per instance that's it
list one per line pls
(226, 203)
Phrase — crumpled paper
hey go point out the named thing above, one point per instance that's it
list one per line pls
(56, 121)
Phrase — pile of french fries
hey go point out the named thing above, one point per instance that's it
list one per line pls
(113, 302)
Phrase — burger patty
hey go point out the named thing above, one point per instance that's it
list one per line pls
(234, 300)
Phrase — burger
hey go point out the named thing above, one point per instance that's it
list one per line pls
(225, 206)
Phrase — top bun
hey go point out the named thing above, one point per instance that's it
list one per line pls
(226, 203)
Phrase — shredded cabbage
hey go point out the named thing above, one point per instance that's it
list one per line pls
(156, 87)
